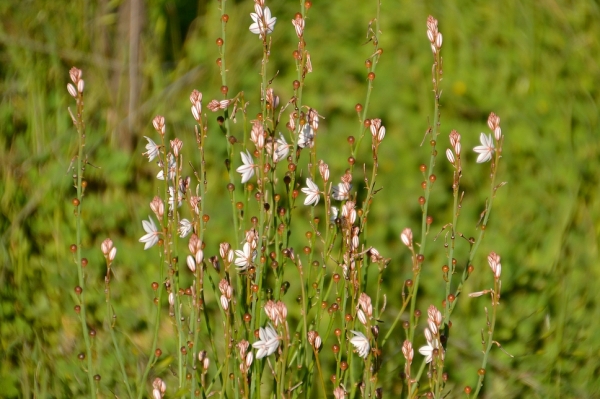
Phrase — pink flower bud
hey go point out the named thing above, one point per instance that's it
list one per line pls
(72, 90)
(406, 236)
(191, 263)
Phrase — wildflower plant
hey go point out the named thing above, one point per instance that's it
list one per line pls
(236, 330)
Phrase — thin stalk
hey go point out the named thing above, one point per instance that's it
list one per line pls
(80, 168)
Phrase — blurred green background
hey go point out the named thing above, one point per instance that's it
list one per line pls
(535, 64)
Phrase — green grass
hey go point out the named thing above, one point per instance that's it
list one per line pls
(533, 63)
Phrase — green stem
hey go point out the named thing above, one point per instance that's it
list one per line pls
(80, 126)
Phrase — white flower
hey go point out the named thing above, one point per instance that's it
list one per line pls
(263, 22)
(247, 169)
(282, 149)
(427, 351)
(185, 227)
(486, 149)
(312, 193)
(432, 344)
(334, 213)
(307, 137)
(153, 149)
(341, 191)
(152, 237)
(361, 344)
(268, 343)
(245, 257)
(172, 197)
(170, 168)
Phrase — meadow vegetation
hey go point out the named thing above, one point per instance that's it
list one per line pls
(533, 64)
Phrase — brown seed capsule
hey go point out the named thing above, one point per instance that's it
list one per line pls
(247, 317)
(73, 248)
(343, 365)
(335, 348)
(451, 298)
(97, 377)
(205, 218)
(445, 269)
(219, 42)
(296, 84)
(308, 4)
(367, 123)
(350, 140)
(368, 64)
(81, 356)
(75, 202)
(77, 309)
(157, 352)
(432, 178)
(408, 283)
(78, 290)
(422, 200)
(219, 62)
(348, 317)
(336, 278)
(351, 160)
(225, 18)
(468, 390)
(358, 107)
(337, 332)
(420, 258)
(230, 187)
(371, 76)
(429, 220)
(84, 262)
(224, 89)
(422, 167)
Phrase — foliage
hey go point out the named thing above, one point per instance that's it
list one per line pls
(535, 64)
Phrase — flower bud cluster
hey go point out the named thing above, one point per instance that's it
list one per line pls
(108, 250)
(246, 358)
(75, 88)
(204, 360)
(435, 37)
(364, 310)
(226, 293)
(377, 131)
(196, 100)
(159, 387)
(494, 125)
(276, 312)
(314, 339)
(159, 124)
